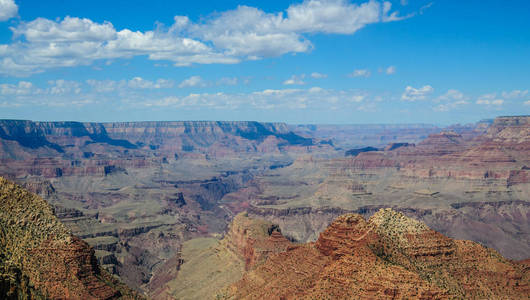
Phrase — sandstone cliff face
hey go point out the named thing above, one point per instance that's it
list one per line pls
(56, 149)
(205, 265)
(499, 153)
(180, 136)
(253, 240)
(40, 258)
(389, 256)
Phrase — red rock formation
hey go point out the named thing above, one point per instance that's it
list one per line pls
(36, 248)
(67, 270)
(498, 154)
(254, 240)
(388, 257)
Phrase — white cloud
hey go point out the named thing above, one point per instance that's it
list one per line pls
(313, 98)
(413, 94)
(72, 41)
(140, 83)
(450, 106)
(390, 70)
(452, 99)
(58, 92)
(193, 81)
(335, 16)
(315, 89)
(107, 86)
(61, 87)
(527, 102)
(252, 33)
(497, 102)
(68, 30)
(360, 73)
(104, 86)
(452, 94)
(317, 75)
(515, 94)
(489, 100)
(22, 88)
(8, 9)
(245, 33)
(487, 97)
(295, 80)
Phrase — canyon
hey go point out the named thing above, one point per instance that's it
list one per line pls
(187, 209)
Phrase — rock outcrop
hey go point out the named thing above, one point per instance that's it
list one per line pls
(206, 265)
(40, 258)
(253, 240)
(389, 256)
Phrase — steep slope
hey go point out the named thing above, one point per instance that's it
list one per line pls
(389, 256)
(40, 258)
(206, 265)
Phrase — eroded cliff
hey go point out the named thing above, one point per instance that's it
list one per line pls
(389, 256)
(40, 257)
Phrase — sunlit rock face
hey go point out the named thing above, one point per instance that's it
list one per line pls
(388, 256)
(41, 258)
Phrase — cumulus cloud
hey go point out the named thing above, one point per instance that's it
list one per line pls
(107, 86)
(252, 33)
(245, 33)
(497, 102)
(489, 99)
(61, 87)
(452, 99)
(104, 86)
(22, 88)
(317, 75)
(44, 44)
(295, 80)
(527, 102)
(415, 94)
(57, 92)
(452, 95)
(193, 81)
(360, 73)
(140, 83)
(8, 9)
(450, 106)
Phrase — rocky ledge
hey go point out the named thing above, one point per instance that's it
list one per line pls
(39, 258)
(388, 256)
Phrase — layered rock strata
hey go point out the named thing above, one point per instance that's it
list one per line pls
(389, 256)
(40, 258)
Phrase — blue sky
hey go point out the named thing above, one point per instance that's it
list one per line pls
(333, 61)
